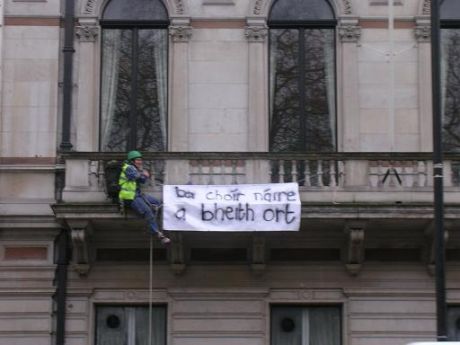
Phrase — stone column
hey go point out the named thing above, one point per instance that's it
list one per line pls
(86, 118)
(1, 49)
(180, 34)
(348, 87)
(423, 36)
(258, 130)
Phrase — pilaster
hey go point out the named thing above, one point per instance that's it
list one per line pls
(349, 34)
(86, 115)
(180, 33)
(422, 34)
(256, 33)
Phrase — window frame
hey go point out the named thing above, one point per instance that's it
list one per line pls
(339, 306)
(165, 307)
(302, 25)
(135, 26)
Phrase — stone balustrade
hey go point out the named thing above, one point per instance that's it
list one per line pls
(328, 177)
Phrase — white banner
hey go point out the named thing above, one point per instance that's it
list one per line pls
(250, 207)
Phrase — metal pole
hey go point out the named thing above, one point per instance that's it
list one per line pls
(441, 308)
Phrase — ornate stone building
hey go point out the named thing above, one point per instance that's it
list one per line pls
(332, 94)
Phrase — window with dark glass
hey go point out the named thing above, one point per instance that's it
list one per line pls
(450, 74)
(301, 325)
(134, 76)
(302, 76)
(129, 325)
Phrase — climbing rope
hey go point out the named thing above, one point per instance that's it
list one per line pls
(150, 290)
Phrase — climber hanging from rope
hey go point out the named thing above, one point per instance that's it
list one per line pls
(131, 177)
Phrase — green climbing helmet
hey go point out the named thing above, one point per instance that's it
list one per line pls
(133, 155)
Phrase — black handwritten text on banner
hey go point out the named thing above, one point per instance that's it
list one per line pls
(249, 207)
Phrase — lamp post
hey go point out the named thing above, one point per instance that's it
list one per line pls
(441, 309)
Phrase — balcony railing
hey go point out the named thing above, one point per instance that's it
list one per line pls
(328, 177)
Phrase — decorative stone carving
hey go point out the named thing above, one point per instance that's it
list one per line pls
(423, 33)
(90, 6)
(87, 33)
(176, 254)
(426, 7)
(347, 7)
(258, 7)
(80, 232)
(349, 33)
(180, 33)
(179, 6)
(256, 33)
(258, 254)
(354, 252)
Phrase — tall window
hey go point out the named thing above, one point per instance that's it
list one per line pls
(302, 76)
(450, 69)
(134, 75)
(123, 325)
(305, 325)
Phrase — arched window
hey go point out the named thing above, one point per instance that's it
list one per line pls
(302, 76)
(450, 69)
(134, 76)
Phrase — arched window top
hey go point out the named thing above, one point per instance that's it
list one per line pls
(450, 10)
(135, 11)
(301, 11)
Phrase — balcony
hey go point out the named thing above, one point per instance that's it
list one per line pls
(342, 194)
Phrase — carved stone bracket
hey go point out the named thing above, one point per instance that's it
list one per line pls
(430, 255)
(81, 232)
(349, 33)
(257, 33)
(87, 33)
(422, 33)
(354, 251)
(177, 253)
(180, 33)
(258, 254)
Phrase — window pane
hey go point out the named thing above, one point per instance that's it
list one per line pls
(115, 89)
(151, 10)
(453, 323)
(305, 326)
(285, 133)
(450, 9)
(319, 90)
(451, 88)
(130, 325)
(302, 90)
(152, 99)
(284, 10)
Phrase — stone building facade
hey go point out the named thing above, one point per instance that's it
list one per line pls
(359, 271)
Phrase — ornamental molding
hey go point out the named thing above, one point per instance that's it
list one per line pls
(422, 33)
(426, 10)
(87, 33)
(93, 7)
(180, 33)
(256, 33)
(343, 6)
(349, 33)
